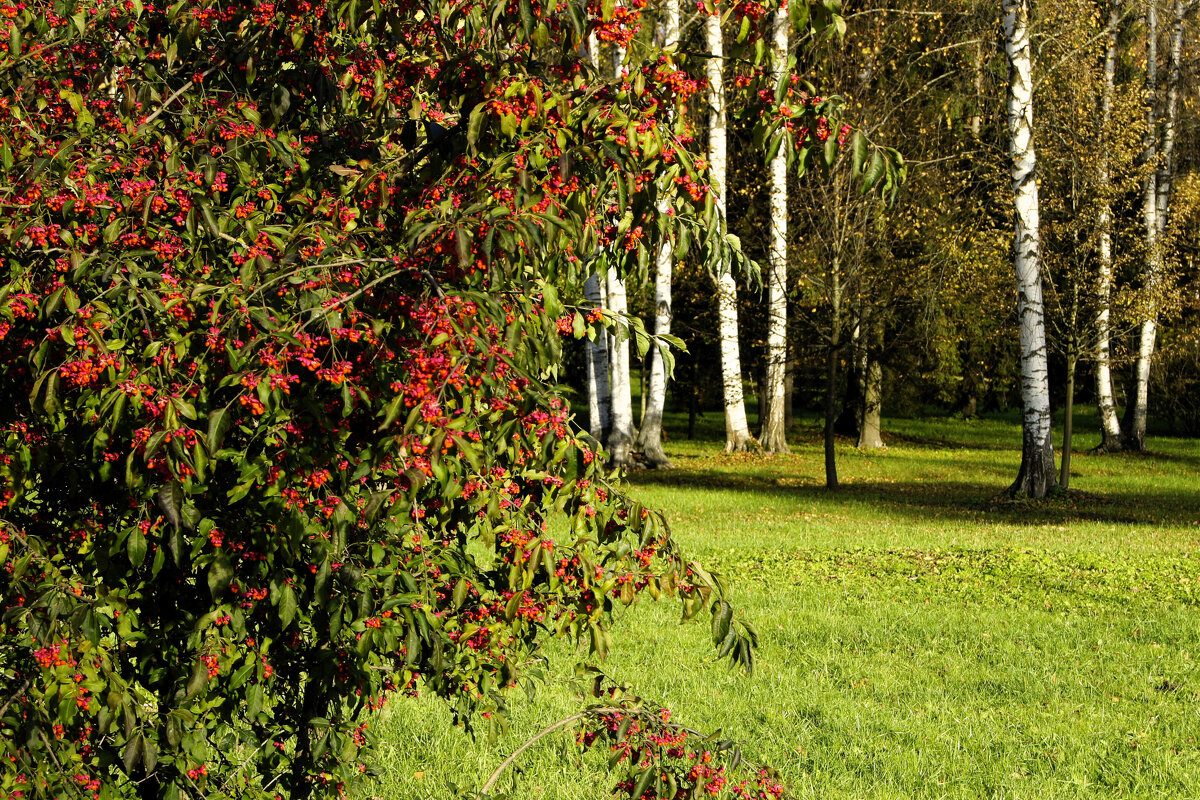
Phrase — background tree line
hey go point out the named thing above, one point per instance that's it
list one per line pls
(908, 304)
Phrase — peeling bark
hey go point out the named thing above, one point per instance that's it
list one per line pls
(1036, 476)
(620, 438)
(649, 442)
(1110, 425)
(1135, 413)
(774, 438)
(599, 389)
(737, 430)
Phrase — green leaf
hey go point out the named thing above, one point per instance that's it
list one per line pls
(393, 411)
(799, 14)
(831, 149)
(874, 172)
(475, 125)
(170, 499)
(287, 606)
(218, 424)
(135, 545)
(722, 616)
(185, 409)
(132, 753)
(220, 575)
(149, 755)
(773, 147)
(643, 784)
(859, 149)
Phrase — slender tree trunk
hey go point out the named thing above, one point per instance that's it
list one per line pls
(620, 438)
(654, 395)
(1170, 122)
(789, 389)
(1064, 477)
(977, 116)
(643, 382)
(774, 439)
(599, 389)
(737, 430)
(831, 371)
(868, 434)
(1135, 425)
(1156, 205)
(693, 412)
(1036, 475)
(1110, 425)
(596, 292)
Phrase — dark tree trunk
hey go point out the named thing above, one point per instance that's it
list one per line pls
(1036, 477)
(831, 359)
(693, 410)
(833, 280)
(789, 389)
(1064, 479)
(1131, 439)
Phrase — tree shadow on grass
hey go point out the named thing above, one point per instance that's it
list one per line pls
(1191, 461)
(972, 500)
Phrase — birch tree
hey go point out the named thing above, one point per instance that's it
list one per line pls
(620, 437)
(1036, 475)
(649, 441)
(1135, 412)
(774, 439)
(599, 389)
(1110, 425)
(737, 429)
(1156, 200)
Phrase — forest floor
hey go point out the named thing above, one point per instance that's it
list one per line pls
(918, 639)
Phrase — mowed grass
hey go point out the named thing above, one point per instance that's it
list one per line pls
(918, 639)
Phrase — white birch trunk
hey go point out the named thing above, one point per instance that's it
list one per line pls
(1110, 425)
(774, 439)
(649, 441)
(620, 438)
(1037, 474)
(599, 389)
(593, 50)
(737, 429)
(1135, 426)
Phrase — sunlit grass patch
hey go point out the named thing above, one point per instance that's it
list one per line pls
(917, 639)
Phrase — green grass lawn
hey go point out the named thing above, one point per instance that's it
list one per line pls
(917, 639)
